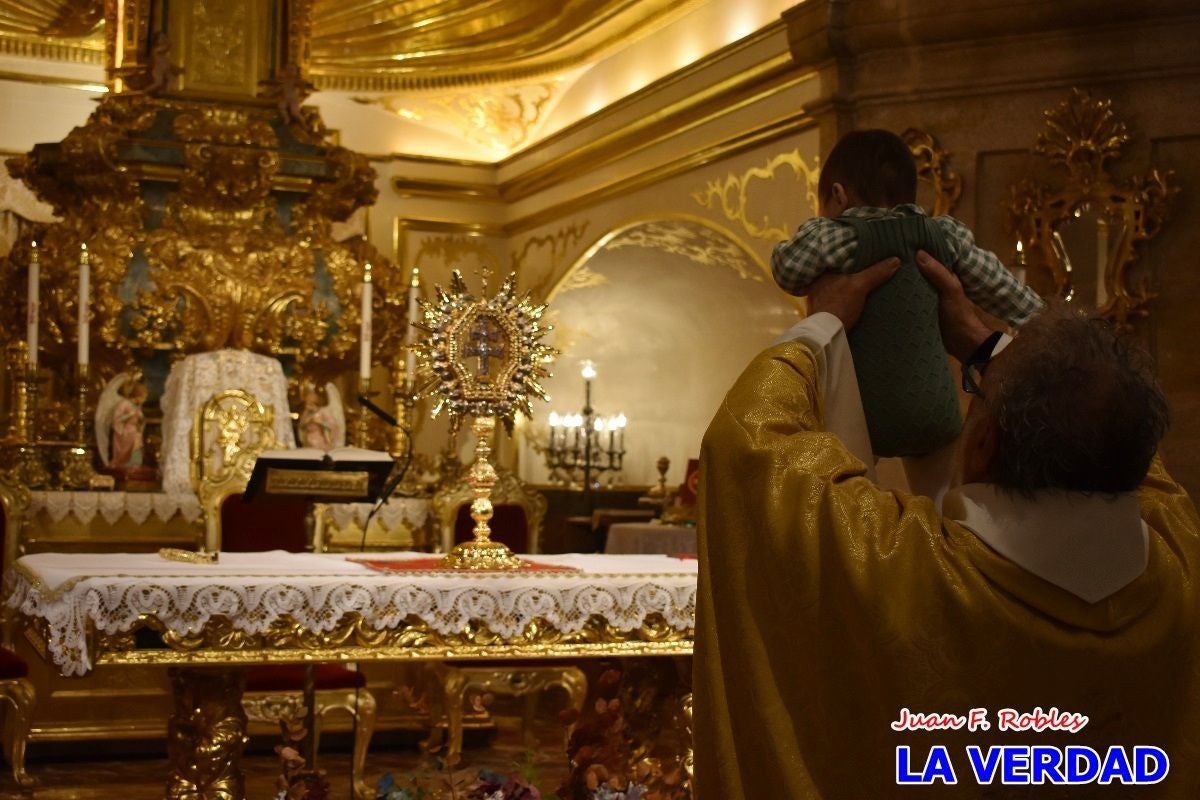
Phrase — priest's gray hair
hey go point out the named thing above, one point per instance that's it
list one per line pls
(1077, 407)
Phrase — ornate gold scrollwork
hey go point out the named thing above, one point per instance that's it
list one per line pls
(354, 638)
(1078, 225)
(208, 227)
(732, 193)
(933, 168)
(206, 735)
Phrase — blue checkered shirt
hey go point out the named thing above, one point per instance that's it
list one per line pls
(823, 244)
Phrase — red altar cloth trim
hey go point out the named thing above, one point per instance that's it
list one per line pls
(685, 556)
(436, 564)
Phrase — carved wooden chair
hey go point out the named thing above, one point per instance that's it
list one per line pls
(517, 513)
(15, 687)
(517, 522)
(229, 433)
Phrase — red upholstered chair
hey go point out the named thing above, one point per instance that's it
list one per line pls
(15, 687)
(240, 428)
(517, 513)
(516, 521)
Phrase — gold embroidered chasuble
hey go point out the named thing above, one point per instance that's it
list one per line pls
(826, 605)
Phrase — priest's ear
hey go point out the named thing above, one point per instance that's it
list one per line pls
(978, 443)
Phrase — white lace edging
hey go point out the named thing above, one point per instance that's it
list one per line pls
(445, 604)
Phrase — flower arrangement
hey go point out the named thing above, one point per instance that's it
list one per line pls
(438, 779)
(619, 748)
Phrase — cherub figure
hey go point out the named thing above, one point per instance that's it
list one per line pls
(160, 72)
(293, 90)
(322, 424)
(120, 422)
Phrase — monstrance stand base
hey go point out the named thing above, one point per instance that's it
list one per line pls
(484, 554)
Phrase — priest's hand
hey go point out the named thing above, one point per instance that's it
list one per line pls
(962, 330)
(845, 295)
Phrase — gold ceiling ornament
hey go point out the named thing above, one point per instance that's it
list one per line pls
(501, 119)
(933, 168)
(1076, 225)
(503, 335)
(362, 45)
(731, 194)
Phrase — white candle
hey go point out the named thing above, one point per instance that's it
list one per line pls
(31, 310)
(410, 355)
(85, 291)
(364, 354)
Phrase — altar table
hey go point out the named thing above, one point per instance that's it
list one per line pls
(206, 621)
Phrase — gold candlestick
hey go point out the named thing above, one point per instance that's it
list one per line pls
(361, 431)
(404, 400)
(77, 466)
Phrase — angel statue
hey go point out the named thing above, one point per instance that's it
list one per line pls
(120, 422)
(322, 424)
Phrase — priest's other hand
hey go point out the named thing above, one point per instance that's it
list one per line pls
(962, 330)
(844, 295)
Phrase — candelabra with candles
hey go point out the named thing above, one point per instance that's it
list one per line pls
(586, 445)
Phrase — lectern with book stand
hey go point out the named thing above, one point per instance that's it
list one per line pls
(343, 475)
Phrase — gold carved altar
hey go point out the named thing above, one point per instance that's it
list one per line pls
(90, 611)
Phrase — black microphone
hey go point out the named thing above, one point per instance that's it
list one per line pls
(363, 400)
(391, 485)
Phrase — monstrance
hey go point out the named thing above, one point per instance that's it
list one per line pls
(486, 357)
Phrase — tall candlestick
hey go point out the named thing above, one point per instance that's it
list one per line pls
(410, 355)
(364, 354)
(85, 279)
(31, 308)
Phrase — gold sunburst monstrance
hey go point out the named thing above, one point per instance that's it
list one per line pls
(486, 357)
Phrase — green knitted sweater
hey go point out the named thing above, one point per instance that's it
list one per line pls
(908, 393)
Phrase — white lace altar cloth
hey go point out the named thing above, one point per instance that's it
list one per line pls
(113, 506)
(109, 591)
(194, 381)
(410, 511)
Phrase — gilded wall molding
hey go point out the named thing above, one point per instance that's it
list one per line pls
(559, 244)
(731, 194)
(671, 121)
(696, 238)
(454, 190)
(700, 244)
(738, 143)
(404, 228)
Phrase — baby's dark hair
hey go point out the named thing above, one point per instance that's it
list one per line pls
(875, 165)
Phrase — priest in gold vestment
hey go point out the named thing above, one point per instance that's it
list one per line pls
(1062, 574)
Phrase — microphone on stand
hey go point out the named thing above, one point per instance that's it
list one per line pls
(391, 485)
(365, 401)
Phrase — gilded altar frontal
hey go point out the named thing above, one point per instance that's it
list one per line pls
(272, 271)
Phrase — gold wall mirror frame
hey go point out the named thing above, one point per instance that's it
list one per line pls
(1078, 225)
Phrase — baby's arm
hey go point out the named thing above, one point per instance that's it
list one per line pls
(819, 245)
(987, 281)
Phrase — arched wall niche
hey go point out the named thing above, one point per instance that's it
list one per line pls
(670, 309)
